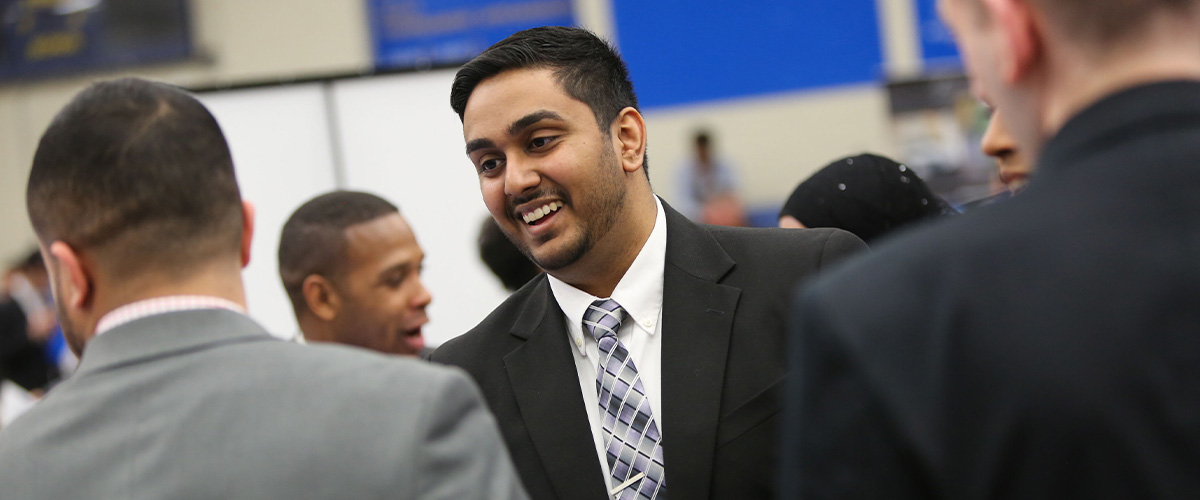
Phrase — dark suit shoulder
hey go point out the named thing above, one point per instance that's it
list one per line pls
(931, 252)
(808, 248)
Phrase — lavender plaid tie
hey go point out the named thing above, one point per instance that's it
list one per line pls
(631, 438)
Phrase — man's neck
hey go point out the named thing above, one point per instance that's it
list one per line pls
(1161, 55)
(221, 280)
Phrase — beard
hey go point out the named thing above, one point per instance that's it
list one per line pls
(597, 213)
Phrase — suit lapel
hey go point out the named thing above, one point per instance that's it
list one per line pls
(697, 323)
(546, 386)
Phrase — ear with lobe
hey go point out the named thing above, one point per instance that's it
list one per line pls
(321, 297)
(630, 134)
(247, 230)
(75, 281)
(1020, 34)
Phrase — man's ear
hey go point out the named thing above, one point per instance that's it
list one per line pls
(1019, 31)
(247, 230)
(75, 277)
(321, 297)
(629, 130)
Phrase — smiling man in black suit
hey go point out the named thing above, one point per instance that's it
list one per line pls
(684, 321)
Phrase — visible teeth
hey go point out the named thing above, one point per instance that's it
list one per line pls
(542, 211)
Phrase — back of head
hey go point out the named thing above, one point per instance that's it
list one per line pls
(1102, 24)
(588, 69)
(868, 195)
(313, 239)
(137, 174)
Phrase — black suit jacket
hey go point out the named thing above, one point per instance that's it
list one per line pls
(724, 294)
(1044, 347)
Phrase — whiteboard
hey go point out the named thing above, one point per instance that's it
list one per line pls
(402, 141)
(280, 141)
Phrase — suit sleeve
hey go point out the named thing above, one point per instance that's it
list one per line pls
(461, 454)
(838, 441)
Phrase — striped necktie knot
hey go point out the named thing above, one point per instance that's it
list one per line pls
(603, 318)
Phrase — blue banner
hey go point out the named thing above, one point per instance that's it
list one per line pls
(422, 33)
(937, 44)
(683, 51)
(59, 37)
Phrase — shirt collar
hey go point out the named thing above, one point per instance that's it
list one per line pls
(639, 292)
(161, 305)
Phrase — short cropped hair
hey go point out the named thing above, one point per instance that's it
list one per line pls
(1103, 23)
(138, 173)
(313, 239)
(588, 69)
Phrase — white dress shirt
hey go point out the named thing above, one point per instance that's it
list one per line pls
(640, 294)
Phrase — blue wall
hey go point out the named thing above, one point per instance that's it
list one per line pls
(937, 44)
(698, 50)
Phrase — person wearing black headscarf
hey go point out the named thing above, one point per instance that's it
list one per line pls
(868, 195)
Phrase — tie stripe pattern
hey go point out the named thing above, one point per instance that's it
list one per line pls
(632, 440)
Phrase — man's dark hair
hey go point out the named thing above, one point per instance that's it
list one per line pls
(503, 257)
(1105, 23)
(313, 239)
(588, 69)
(139, 174)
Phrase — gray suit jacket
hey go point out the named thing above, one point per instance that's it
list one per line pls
(206, 404)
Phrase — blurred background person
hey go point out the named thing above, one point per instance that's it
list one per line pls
(868, 195)
(352, 267)
(709, 186)
(30, 340)
(1012, 167)
(503, 258)
(1045, 347)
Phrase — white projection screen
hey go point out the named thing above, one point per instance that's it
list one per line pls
(394, 136)
(279, 137)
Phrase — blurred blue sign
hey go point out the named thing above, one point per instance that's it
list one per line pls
(58, 37)
(682, 51)
(937, 44)
(421, 33)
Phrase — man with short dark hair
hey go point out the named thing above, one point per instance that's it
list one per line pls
(178, 394)
(352, 267)
(1048, 346)
(647, 361)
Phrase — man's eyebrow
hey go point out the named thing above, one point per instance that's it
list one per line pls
(516, 128)
(402, 267)
(477, 144)
(530, 119)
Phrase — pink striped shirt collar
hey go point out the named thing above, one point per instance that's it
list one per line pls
(161, 305)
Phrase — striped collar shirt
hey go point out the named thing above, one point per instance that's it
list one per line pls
(162, 305)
